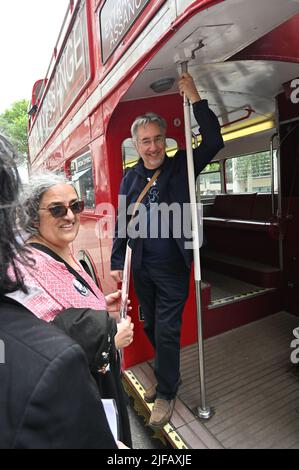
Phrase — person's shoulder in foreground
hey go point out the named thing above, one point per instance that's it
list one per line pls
(43, 401)
(48, 398)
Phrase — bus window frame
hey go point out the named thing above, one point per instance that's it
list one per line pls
(208, 197)
(147, 14)
(121, 38)
(247, 155)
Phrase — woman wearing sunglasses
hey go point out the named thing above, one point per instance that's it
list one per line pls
(60, 290)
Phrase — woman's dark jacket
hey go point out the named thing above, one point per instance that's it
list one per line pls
(94, 330)
(48, 398)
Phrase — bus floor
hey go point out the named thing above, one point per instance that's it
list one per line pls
(227, 287)
(250, 383)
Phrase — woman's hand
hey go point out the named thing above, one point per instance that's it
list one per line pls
(113, 302)
(117, 275)
(125, 333)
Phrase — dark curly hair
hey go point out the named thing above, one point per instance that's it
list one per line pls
(11, 243)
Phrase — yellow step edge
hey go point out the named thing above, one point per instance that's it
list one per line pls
(172, 436)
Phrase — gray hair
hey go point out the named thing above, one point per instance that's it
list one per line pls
(33, 192)
(148, 118)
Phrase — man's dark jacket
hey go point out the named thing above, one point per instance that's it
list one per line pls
(172, 183)
(48, 398)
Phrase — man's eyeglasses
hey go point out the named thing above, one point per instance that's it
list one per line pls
(159, 140)
(61, 210)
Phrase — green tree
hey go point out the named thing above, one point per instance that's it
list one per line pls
(13, 123)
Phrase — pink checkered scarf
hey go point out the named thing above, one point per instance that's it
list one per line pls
(51, 288)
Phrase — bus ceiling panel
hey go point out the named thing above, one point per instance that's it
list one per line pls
(230, 87)
(215, 34)
(279, 44)
(182, 5)
(234, 87)
(224, 29)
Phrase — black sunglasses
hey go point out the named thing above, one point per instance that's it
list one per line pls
(61, 210)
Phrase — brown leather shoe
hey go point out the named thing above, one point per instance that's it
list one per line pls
(150, 394)
(161, 413)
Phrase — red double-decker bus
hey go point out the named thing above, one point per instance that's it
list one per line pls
(115, 60)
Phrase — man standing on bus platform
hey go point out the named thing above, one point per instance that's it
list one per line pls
(161, 266)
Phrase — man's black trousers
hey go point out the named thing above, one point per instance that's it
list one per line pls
(162, 292)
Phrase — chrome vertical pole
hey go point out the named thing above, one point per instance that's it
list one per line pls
(203, 411)
(272, 173)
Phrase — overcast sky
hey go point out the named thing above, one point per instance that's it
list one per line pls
(28, 33)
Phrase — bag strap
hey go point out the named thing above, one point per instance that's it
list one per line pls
(144, 191)
(48, 251)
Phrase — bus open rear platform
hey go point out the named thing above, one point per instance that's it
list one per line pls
(250, 382)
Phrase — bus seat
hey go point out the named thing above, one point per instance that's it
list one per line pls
(249, 211)
(233, 206)
(240, 226)
(262, 207)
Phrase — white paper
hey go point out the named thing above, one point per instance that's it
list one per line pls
(112, 416)
(125, 283)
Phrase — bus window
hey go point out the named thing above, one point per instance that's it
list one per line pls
(171, 147)
(82, 178)
(130, 156)
(210, 180)
(250, 173)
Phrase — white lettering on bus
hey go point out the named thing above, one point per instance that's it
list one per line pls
(70, 75)
(295, 92)
(69, 65)
(78, 45)
(122, 15)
